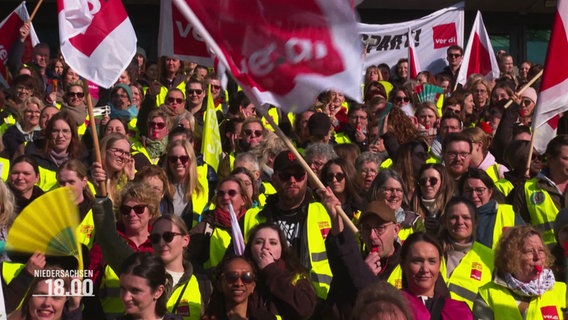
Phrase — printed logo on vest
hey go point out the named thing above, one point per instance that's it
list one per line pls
(549, 313)
(476, 271)
(324, 227)
(537, 197)
(183, 309)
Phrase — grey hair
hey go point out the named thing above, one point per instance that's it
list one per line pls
(367, 156)
(379, 182)
(249, 158)
(320, 149)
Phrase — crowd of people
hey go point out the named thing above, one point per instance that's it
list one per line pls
(454, 220)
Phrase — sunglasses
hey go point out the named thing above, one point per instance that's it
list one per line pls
(337, 176)
(246, 277)
(196, 91)
(400, 99)
(216, 87)
(526, 102)
(285, 176)
(176, 100)
(158, 125)
(174, 159)
(231, 193)
(167, 236)
(454, 55)
(423, 181)
(75, 94)
(138, 209)
(257, 133)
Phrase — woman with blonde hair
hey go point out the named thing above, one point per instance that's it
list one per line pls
(481, 157)
(117, 167)
(7, 213)
(26, 129)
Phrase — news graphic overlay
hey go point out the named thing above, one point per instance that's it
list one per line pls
(81, 283)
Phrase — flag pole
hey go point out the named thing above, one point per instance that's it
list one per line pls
(93, 124)
(525, 87)
(34, 12)
(303, 163)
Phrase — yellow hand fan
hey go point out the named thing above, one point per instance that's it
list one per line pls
(49, 225)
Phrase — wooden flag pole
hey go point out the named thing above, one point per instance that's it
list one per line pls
(303, 163)
(34, 12)
(93, 124)
(525, 87)
(529, 160)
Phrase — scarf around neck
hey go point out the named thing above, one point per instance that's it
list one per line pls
(58, 158)
(537, 287)
(156, 148)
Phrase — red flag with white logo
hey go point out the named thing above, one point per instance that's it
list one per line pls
(97, 38)
(282, 52)
(552, 98)
(479, 56)
(414, 66)
(9, 34)
(179, 39)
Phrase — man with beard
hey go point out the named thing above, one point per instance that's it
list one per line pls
(304, 221)
(456, 154)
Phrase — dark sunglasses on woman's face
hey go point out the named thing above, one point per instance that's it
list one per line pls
(231, 193)
(338, 176)
(257, 133)
(138, 209)
(158, 125)
(401, 99)
(75, 94)
(176, 100)
(423, 181)
(174, 159)
(167, 236)
(232, 277)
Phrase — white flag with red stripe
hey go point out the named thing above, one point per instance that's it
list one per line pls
(9, 34)
(179, 39)
(414, 66)
(97, 38)
(282, 52)
(552, 98)
(479, 56)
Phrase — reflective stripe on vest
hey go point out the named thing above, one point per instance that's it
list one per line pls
(542, 210)
(505, 218)
(395, 278)
(549, 305)
(220, 240)
(189, 306)
(474, 270)
(86, 230)
(110, 294)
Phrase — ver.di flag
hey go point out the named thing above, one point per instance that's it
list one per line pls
(9, 34)
(282, 52)
(211, 144)
(552, 98)
(479, 56)
(97, 38)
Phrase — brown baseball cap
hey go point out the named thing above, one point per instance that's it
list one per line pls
(380, 209)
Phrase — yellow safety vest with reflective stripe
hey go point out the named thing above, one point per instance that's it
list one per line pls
(110, 294)
(404, 233)
(318, 225)
(542, 210)
(86, 230)
(493, 172)
(395, 278)
(10, 270)
(161, 97)
(505, 186)
(549, 305)
(474, 270)
(5, 168)
(47, 179)
(189, 306)
(220, 240)
(504, 219)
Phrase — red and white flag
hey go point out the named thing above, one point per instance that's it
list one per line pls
(179, 39)
(414, 66)
(552, 98)
(97, 38)
(9, 34)
(479, 56)
(282, 52)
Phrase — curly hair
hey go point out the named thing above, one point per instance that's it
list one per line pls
(510, 246)
(142, 193)
(401, 126)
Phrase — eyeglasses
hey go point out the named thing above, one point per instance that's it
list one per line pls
(526, 102)
(388, 191)
(176, 100)
(231, 193)
(174, 159)
(167, 236)
(216, 87)
(119, 152)
(369, 172)
(401, 99)
(194, 91)
(359, 117)
(432, 180)
(285, 176)
(337, 176)
(454, 55)
(158, 125)
(479, 191)
(33, 111)
(257, 133)
(379, 230)
(138, 209)
(22, 88)
(65, 132)
(247, 277)
(455, 154)
(75, 94)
